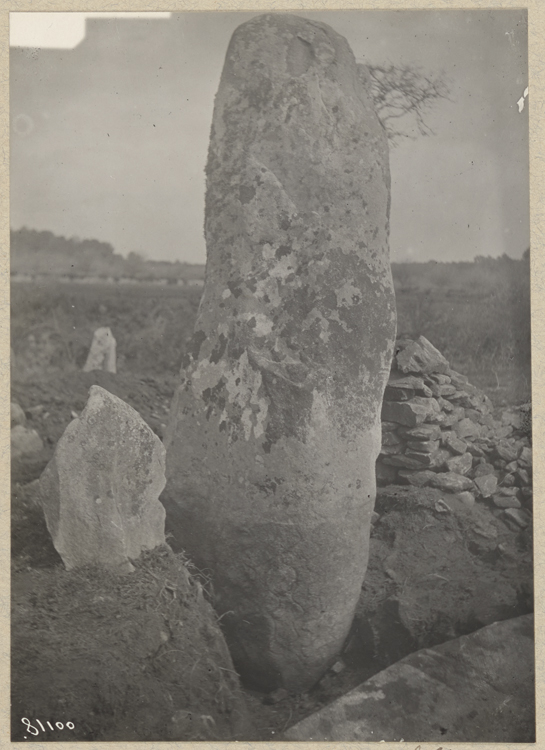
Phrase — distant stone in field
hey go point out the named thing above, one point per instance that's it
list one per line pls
(24, 442)
(17, 415)
(100, 491)
(275, 428)
(102, 353)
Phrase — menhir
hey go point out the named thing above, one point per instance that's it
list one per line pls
(275, 428)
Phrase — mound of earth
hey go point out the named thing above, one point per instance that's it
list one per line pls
(121, 657)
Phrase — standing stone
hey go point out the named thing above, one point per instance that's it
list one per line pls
(102, 352)
(275, 428)
(100, 492)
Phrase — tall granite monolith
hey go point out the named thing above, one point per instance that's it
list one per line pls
(275, 427)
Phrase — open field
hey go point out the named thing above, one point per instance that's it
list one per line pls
(477, 314)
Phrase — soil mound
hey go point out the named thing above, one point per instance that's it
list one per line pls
(121, 657)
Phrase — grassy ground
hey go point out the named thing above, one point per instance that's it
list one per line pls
(483, 330)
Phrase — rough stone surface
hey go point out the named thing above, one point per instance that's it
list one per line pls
(425, 432)
(486, 484)
(483, 469)
(421, 356)
(102, 354)
(406, 413)
(100, 491)
(17, 415)
(525, 457)
(417, 478)
(518, 516)
(505, 501)
(455, 444)
(24, 441)
(467, 498)
(275, 428)
(422, 446)
(477, 688)
(460, 464)
(451, 482)
(466, 428)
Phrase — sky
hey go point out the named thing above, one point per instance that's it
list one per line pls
(110, 130)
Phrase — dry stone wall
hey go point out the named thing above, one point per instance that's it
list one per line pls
(440, 431)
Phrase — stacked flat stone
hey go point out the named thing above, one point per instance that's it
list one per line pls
(440, 431)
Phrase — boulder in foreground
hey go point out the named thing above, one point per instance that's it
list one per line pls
(137, 658)
(477, 688)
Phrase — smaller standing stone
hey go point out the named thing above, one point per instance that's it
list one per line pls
(102, 353)
(100, 492)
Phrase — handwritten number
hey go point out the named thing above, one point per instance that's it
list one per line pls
(29, 727)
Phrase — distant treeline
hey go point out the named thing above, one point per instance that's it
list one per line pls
(44, 253)
(484, 275)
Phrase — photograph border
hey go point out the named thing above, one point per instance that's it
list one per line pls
(536, 103)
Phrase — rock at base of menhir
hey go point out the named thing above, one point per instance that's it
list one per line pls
(102, 354)
(275, 428)
(100, 491)
(477, 688)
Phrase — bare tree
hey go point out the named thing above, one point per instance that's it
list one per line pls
(403, 94)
